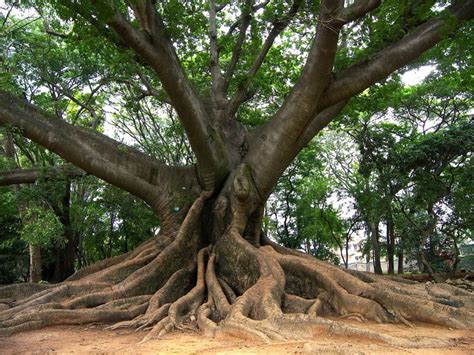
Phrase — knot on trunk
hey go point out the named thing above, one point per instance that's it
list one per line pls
(241, 183)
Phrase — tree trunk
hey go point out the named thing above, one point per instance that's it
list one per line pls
(346, 261)
(35, 263)
(400, 262)
(210, 266)
(374, 238)
(65, 255)
(390, 245)
(426, 265)
(424, 235)
(35, 268)
(457, 253)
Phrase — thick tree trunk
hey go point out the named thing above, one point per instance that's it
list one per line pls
(35, 263)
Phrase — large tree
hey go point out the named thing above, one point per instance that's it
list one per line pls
(210, 262)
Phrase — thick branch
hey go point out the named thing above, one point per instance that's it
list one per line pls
(276, 144)
(359, 77)
(215, 67)
(97, 154)
(358, 9)
(30, 176)
(321, 120)
(153, 45)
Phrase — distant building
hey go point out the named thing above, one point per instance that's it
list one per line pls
(356, 261)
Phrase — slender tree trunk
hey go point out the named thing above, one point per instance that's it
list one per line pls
(400, 262)
(374, 237)
(34, 251)
(456, 255)
(426, 265)
(424, 235)
(65, 255)
(390, 245)
(35, 263)
(347, 253)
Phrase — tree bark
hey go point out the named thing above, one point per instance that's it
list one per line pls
(390, 245)
(400, 262)
(374, 238)
(35, 263)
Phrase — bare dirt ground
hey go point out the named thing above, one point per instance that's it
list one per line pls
(97, 340)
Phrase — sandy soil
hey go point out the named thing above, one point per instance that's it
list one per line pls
(82, 339)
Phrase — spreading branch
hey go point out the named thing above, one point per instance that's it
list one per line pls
(153, 45)
(362, 75)
(97, 154)
(30, 176)
(357, 10)
(278, 139)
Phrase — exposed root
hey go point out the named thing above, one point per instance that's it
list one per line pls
(234, 287)
(99, 295)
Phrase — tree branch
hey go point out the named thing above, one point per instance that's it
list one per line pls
(155, 48)
(30, 176)
(276, 144)
(99, 155)
(356, 10)
(237, 51)
(216, 75)
(359, 77)
(321, 120)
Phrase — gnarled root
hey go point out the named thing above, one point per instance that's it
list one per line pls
(290, 293)
(234, 287)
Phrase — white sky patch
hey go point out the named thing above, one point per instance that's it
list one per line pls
(416, 76)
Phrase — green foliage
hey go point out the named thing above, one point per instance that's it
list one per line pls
(41, 227)
(300, 214)
(13, 262)
(109, 220)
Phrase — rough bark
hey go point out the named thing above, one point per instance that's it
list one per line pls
(35, 274)
(240, 284)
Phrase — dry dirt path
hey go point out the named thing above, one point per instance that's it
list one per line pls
(82, 339)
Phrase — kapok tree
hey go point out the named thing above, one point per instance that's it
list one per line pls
(210, 263)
